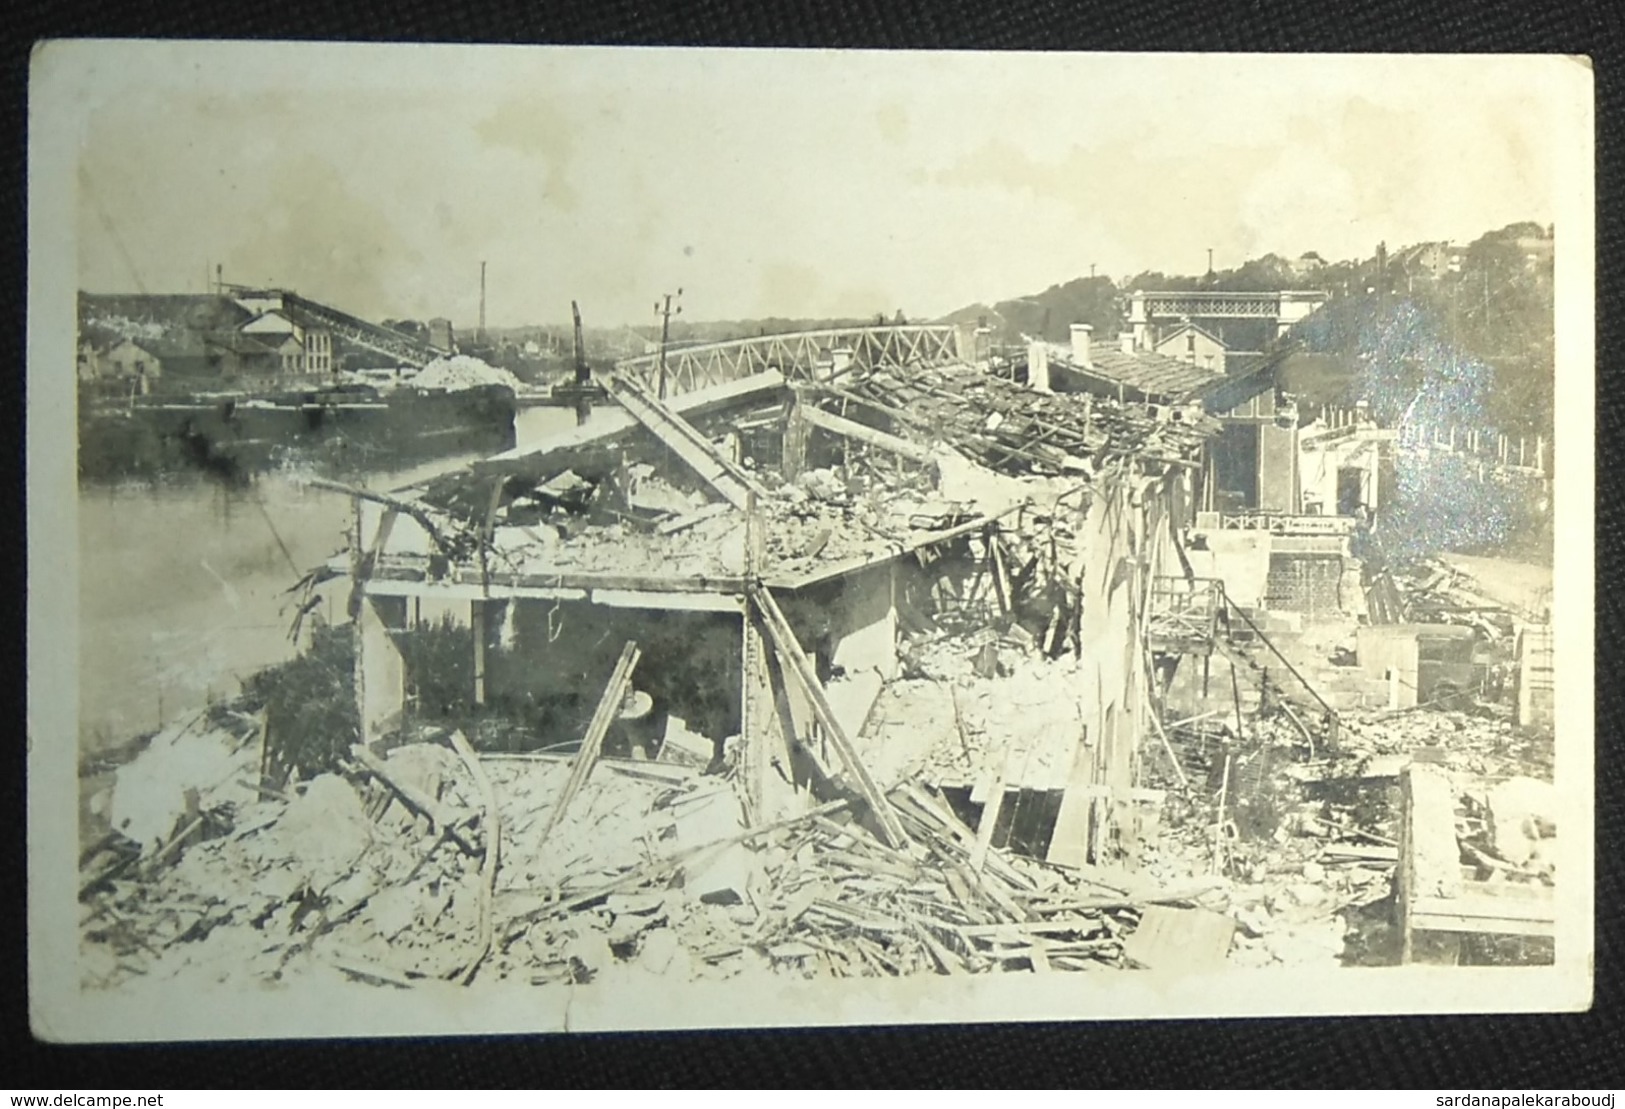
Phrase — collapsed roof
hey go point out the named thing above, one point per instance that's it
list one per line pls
(841, 473)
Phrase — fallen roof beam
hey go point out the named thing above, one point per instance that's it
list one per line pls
(801, 670)
(851, 429)
(608, 423)
(722, 475)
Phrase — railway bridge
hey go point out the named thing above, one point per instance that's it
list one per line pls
(804, 354)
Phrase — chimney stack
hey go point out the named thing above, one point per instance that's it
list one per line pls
(1038, 366)
(1081, 333)
(1125, 342)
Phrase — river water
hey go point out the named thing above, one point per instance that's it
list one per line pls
(183, 588)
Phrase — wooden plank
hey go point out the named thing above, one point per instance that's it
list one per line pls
(990, 819)
(1180, 940)
(492, 819)
(1031, 928)
(609, 704)
(798, 666)
(1491, 916)
(851, 429)
(1429, 812)
(1001, 580)
(678, 523)
(458, 591)
(415, 799)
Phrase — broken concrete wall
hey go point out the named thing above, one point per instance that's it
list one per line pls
(545, 664)
(1536, 703)
(1320, 463)
(1121, 539)
(1309, 582)
(1277, 468)
(1389, 651)
(381, 670)
(849, 628)
(1240, 559)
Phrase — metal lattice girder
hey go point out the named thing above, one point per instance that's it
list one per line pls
(369, 336)
(1215, 305)
(796, 352)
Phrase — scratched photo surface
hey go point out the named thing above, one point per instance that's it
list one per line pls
(538, 538)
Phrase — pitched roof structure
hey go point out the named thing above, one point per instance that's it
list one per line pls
(1142, 374)
(1189, 326)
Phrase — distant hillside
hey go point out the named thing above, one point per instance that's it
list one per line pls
(1050, 314)
(1471, 345)
(1483, 312)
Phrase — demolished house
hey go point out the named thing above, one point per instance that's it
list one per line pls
(896, 669)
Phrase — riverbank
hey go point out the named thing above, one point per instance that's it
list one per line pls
(184, 580)
(232, 438)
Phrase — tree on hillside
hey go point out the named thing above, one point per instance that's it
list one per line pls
(1092, 300)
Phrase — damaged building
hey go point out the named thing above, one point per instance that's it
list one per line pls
(873, 668)
(781, 554)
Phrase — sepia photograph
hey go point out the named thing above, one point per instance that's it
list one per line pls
(554, 538)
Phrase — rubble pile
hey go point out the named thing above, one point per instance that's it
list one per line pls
(342, 871)
(712, 547)
(457, 372)
(376, 873)
(1015, 429)
(1307, 847)
(1432, 592)
(1480, 741)
(826, 516)
(986, 705)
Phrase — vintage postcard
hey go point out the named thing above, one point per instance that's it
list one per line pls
(531, 539)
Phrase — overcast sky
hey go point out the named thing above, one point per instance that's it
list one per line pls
(772, 183)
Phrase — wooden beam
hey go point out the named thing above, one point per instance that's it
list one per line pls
(898, 548)
(608, 706)
(416, 511)
(851, 429)
(794, 455)
(609, 423)
(989, 820)
(448, 823)
(1001, 581)
(728, 480)
(801, 669)
(492, 819)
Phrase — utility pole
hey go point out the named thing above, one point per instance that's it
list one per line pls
(666, 312)
(1210, 261)
(1092, 267)
(482, 305)
(583, 373)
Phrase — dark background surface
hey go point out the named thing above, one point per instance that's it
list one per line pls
(1575, 1051)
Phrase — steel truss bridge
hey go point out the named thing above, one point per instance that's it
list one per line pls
(805, 354)
(1284, 308)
